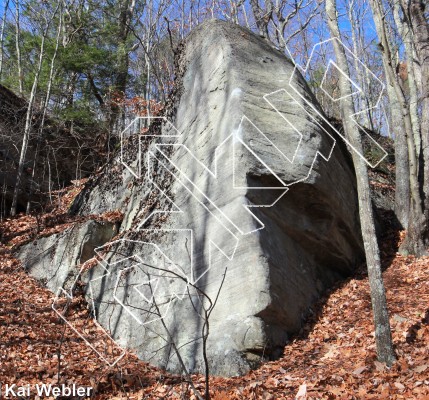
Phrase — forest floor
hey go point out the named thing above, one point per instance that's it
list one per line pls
(333, 357)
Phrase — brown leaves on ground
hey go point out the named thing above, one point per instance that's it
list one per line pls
(333, 357)
(37, 347)
(335, 354)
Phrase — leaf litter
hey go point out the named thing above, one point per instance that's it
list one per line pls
(332, 357)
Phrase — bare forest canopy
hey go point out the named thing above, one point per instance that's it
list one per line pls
(92, 66)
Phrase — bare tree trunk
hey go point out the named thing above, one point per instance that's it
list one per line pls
(45, 109)
(414, 11)
(148, 69)
(402, 164)
(27, 128)
(246, 19)
(417, 226)
(262, 17)
(365, 118)
(126, 14)
(406, 35)
(3, 24)
(383, 337)
(18, 48)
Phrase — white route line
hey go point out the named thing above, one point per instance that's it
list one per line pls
(332, 62)
(69, 297)
(353, 116)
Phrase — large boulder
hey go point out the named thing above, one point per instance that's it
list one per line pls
(240, 209)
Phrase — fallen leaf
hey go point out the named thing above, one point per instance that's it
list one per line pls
(359, 370)
(421, 368)
(380, 367)
(302, 392)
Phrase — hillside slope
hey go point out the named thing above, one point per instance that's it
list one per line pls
(332, 357)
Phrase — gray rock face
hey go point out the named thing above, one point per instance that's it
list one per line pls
(56, 259)
(234, 216)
